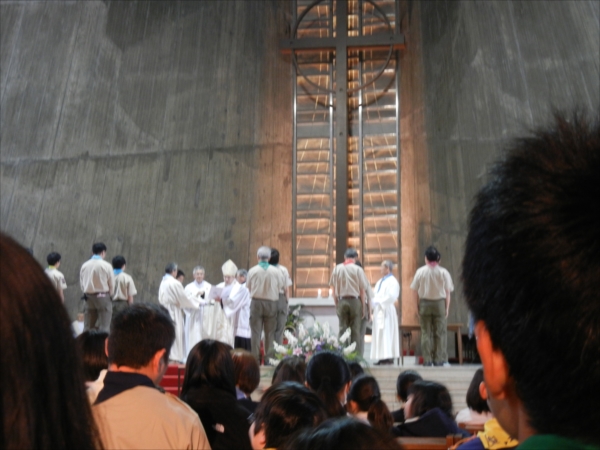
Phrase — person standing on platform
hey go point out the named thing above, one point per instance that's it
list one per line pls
(349, 284)
(264, 284)
(433, 285)
(97, 282)
(386, 338)
(173, 297)
(284, 296)
(56, 277)
(180, 276)
(198, 288)
(124, 286)
(237, 309)
(215, 323)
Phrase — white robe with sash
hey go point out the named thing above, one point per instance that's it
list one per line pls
(237, 309)
(215, 324)
(386, 336)
(193, 317)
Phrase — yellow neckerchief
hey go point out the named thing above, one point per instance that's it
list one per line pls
(493, 436)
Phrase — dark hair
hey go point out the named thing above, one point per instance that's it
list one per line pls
(531, 272)
(428, 395)
(474, 399)
(274, 259)
(137, 333)
(285, 409)
(326, 374)
(53, 258)
(404, 381)
(355, 369)
(292, 368)
(365, 393)
(44, 404)
(91, 344)
(432, 254)
(351, 253)
(118, 262)
(179, 273)
(246, 370)
(98, 248)
(209, 363)
(170, 267)
(342, 434)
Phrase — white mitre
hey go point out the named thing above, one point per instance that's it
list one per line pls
(229, 268)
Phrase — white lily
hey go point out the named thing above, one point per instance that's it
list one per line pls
(344, 337)
(350, 348)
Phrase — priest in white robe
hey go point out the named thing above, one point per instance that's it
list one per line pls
(385, 345)
(173, 297)
(215, 324)
(237, 310)
(200, 289)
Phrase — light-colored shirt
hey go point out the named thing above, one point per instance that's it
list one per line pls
(348, 279)
(96, 276)
(57, 278)
(432, 283)
(124, 287)
(266, 283)
(286, 274)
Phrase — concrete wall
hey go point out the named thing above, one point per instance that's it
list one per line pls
(161, 128)
(481, 73)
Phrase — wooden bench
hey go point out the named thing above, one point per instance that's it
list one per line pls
(471, 427)
(429, 443)
(455, 327)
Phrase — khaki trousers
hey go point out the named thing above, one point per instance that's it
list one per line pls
(98, 313)
(263, 314)
(432, 318)
(282, 314)
(349, 312)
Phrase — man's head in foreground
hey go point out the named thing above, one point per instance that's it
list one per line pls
(531, 275)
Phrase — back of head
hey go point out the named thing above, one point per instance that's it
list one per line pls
(98, 248)
(209, 363)
(292, 368)
(355, 369)
(342, 434)
(531, 272)
(53, 258)
(327, 374)
(137, 333)
(351, 253)
(404, 381)
(432, 254)
(91, 345)
(285, 409)
(474, 399)
(44, 404)
(118, 262)
(274, 259)
(246, 371)
(171, 267)
(427, 395)
(365, 393)
(263, 253)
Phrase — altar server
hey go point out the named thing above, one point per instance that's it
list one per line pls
(385, 345)
(198, 288)
(173, 297)
(237, 309)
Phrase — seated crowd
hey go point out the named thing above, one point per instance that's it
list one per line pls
(531, 279)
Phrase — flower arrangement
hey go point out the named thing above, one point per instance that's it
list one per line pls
(317, 338)
(293, 318)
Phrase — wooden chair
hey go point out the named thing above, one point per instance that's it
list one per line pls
(429, 443)
(471, 427)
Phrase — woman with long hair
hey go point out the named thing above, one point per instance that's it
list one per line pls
(328, 375)
(364, 403)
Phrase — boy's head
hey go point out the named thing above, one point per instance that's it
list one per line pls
(531, 277)
(53, 259)
(284, 409)
(118, 262)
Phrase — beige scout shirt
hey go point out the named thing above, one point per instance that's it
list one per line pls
(265, 284)
(347, 280)
(432, 283)
(124, 287)
(286, 274)
(57, 278)
(143, 417)
(96, 276)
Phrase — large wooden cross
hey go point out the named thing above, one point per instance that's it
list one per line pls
(341, 44)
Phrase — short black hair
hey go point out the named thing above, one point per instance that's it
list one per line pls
(137, 333)
(432, 254)
(474, 399)
(285, 409)
(179, 273)
(91, 345)
(118, 262)
(403, 382)
(53, 258)
(428, 395)
(98, 248)
(355, 369)
(531, 272)
(274, 259)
